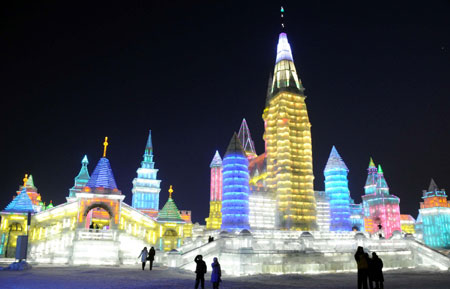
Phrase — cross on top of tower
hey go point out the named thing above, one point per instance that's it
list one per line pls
(170, 192)
(105, 145)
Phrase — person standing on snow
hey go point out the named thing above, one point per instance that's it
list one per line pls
(363, 267)
(377, 271)
(216, 273)
(143, 256)
(200, 270)
(151, 257)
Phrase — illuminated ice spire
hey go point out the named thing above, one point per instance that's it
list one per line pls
(335, 161)
(285, 76)
(336, 187)
(372, 177)
(81, 179)
(246, 140)
(216, 161)
(382, 187)
(146, 186)
(21, 204)
(235, 207)
(433, 186)
(102, 180)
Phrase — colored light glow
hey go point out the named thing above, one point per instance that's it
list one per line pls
(283, 49)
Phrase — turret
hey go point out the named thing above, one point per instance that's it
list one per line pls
(336, 188)
(246, 140)
(235, 208)
(81, 179)
(146, 186)
(372, 177)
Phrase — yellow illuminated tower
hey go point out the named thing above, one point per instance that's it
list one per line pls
(288, 145)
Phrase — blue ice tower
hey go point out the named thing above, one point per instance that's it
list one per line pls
(235, 209)
(146, 187)
(336, 186)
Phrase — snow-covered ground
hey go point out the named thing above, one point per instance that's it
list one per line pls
(162, 277)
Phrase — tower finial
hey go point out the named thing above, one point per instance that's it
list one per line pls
(105, 144)
(282, 17)
(170, 192)
(25, 180)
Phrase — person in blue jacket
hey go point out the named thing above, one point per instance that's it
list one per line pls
(216, 273)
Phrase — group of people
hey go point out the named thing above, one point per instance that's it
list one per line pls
(369, 269)
(201, 269)
(147, 256)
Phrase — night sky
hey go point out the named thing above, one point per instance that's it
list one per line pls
(377, 79)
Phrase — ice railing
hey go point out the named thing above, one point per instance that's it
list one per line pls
(96, 234)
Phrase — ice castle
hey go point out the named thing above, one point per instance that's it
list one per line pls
(265, 215)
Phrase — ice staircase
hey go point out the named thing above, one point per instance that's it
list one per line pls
(95, 247)
(246, 255)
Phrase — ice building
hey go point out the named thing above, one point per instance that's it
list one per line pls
(336, 187)
(235, 208)
(14, 222)
(381, 209)
(146, 187)
(214, 221)
(289, 162)
(435, 214)
(95, 225)
(171, 220)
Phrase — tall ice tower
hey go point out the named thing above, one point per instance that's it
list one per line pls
(288, 145)
(214, 220)
(146, 187)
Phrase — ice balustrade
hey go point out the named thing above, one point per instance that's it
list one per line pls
(96, 234)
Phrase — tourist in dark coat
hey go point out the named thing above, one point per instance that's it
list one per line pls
(216, 273)
(200, 271)
(363, 267)
(377, 271)
(143, 256)
(370, 271)
(151, 257)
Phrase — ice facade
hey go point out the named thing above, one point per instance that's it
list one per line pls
(262, 210)
(435, 217)
(336, 186)
(214, 221)
(407, 223)
(356, 216)
(323, 210)
(146, 187)
(235, 208)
